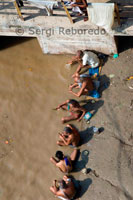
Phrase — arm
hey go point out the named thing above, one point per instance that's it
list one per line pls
(80, 91)
(66, 142)
(82, 5)
(78, 69)
(59, 106)
(72, 86)
(53, 160)
(73, 60)
(84, 111)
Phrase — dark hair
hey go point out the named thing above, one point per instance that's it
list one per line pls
(68, 130)
(63, 184)
(59, 155)
(79, 53)
(73, 102)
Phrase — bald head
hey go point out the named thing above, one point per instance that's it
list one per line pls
(79, 54)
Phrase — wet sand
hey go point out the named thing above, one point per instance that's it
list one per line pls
(31, 85)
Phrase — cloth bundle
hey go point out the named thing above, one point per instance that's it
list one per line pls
(45, 4)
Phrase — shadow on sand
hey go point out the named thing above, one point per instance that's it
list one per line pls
(81, 186)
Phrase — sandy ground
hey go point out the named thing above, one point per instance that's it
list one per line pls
(31, 85)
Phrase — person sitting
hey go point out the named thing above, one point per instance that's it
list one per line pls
(64, 163)
(86, 59)
(77, 112)
(64, 189)
(85, 85)
(70, 136)
(79, 7)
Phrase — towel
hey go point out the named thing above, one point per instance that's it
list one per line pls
(101, 14)
(44, 4)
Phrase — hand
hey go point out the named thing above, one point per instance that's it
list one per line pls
(69, 63)
(51, 159)
(70, 88)
(73, 75)
(58, 108)
(60, 136)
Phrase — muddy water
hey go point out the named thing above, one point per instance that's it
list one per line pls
(31, 85)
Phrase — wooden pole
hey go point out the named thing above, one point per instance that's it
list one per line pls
(18, 10)
(67, 12)
(117, 13)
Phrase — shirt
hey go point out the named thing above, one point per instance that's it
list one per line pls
(90, 58)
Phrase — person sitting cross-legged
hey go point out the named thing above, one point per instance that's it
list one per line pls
(64, 189)
(64, 163)
(70, 136)
(85, 85)
(86, 59)
(77, 112)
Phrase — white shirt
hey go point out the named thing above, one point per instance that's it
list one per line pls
(90, 58)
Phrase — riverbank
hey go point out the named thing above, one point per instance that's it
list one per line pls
(31, 85)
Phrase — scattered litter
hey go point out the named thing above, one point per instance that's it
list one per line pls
(95, 173)
(129, 78)
(5, 116)
(130, 87)
(85, 152)
(6, 142)
(115, 56)
(131, 104)
(84, 171)
(88, 122)
(130, 83)
(111, 76)
(93, 101)
(95, 129)
(30, 69)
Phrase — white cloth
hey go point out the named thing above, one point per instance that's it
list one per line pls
(62, 198)
(77, 9)
(45, 4)
(90, 58)
(74, 9)
(101, 14)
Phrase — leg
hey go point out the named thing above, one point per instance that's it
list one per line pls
(73, 116)
(90, 98)
(78, 69)
(53, 189)
(61, 143)
(74, 154)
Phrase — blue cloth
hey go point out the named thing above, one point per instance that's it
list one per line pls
(93, 71)
(87, 116)
(67, 161)
(94, 93)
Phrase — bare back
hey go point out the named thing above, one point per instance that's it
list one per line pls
(63, 167)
